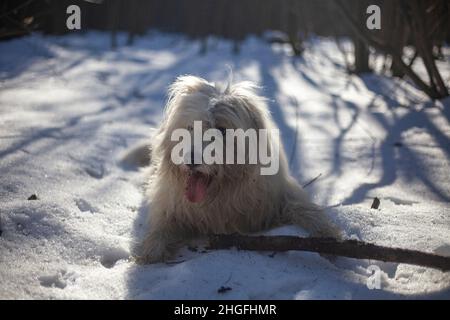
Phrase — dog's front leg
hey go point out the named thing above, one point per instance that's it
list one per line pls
(312, 218)
(154, 248)
(315, 221)
(160, 243)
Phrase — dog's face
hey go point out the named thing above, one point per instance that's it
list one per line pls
(196, 104)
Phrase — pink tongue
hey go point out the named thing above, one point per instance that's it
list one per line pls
(196, 187)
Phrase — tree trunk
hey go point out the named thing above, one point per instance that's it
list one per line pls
(112, 21)
(361, 49)
(425, 48)
(361, 56)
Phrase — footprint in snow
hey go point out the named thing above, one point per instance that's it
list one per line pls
(53, 281)
(112, 255)
(85, 206)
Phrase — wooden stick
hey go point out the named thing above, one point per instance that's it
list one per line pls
(346, 248)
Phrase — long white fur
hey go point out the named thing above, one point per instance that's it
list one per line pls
(240, 199)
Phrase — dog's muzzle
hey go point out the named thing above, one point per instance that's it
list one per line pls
(196, 185)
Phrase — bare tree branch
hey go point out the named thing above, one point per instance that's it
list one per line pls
(346, 248)
(387, 49)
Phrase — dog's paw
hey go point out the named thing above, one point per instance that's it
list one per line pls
(329, 229)
(153, 251)
(331, 258)
(151, 258)
(148, 259)
(328, 232)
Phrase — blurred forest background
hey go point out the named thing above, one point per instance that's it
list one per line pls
(419, 25)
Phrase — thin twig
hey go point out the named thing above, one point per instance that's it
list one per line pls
(312, 180)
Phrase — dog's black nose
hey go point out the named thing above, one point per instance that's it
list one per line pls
(192, 164)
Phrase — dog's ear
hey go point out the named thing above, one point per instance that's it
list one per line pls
(256, 105)
(185, 85)
(259, 120)
(189, 84)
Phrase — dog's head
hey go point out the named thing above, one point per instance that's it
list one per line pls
(196, 105)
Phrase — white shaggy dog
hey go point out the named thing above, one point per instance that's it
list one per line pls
(190, 200)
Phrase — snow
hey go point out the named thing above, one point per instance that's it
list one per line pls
(71, 110)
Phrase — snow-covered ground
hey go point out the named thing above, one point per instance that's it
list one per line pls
(70, 109)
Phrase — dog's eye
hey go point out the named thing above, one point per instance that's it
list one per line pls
(222, 130)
